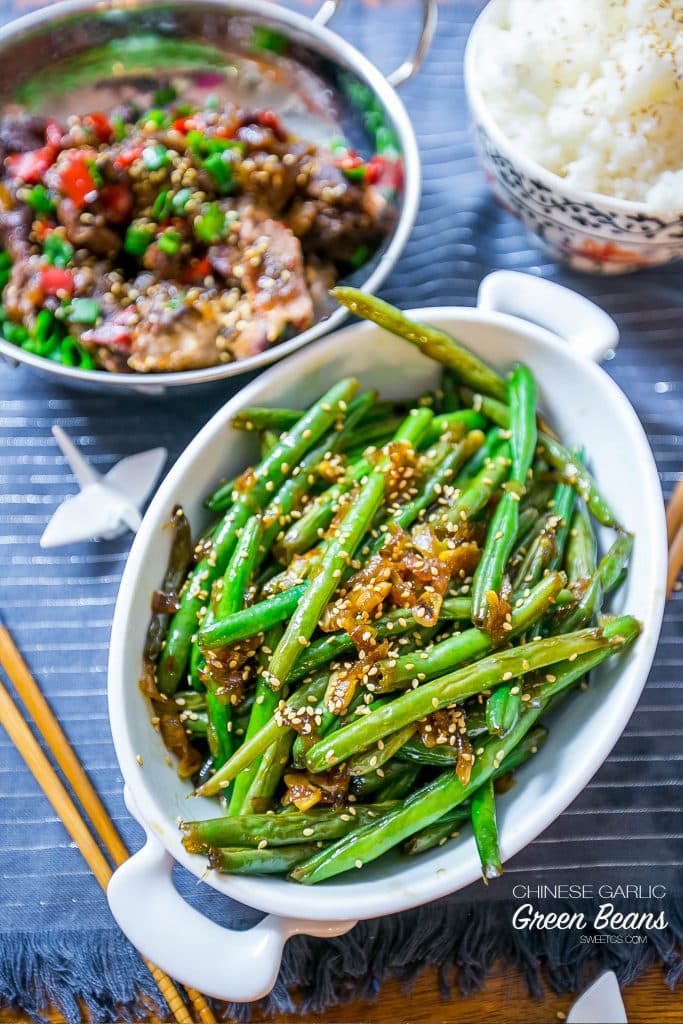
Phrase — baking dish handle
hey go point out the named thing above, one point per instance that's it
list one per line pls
(235, 966)
(586, 327)
(413, 64)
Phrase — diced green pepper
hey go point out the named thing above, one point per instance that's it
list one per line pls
(83, 311)
(162, 206)
(359, 256)
(40, 202)
(118, 127)
(209, 227)
(264, 37)
(16, 333)
(57, 250)
(221, 172)
(155, 157)
(159, 118)
(95, 173)
(5, 268)
(137, 240)
(165, 95)
(170, 241)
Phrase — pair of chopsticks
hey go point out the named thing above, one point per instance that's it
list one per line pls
(674, 531)
(49, 728)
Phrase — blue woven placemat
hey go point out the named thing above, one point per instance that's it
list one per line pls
(57, 939)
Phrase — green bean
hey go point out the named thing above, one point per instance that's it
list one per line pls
(486, 830)
(269, 475)
(450, 689)
(500, 539)
(248, 861)
(263, 709)
(529, 745)
(607, 573)
(178, 562)
(279, 829)
(493, 440)
(439, 833)
(338, 553)
(478, 491)
(466, 646)
(434, 343)
(563, 507)
(309, 693)
(256, 418)
(503, 709)
(221, 497)
(393, 784)
(304, 533)
(268, 775)
(252, 620)
(373, 759)
(234, 586)
(450, 400)
(441, 426)
(613, 565)
(395, 623)
(570, 467)
(433, 486)
(293, 490)
(427, 805)
(582, 547)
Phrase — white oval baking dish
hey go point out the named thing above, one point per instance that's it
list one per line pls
(587, 408)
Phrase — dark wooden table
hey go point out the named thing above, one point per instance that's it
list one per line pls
(504, 1000)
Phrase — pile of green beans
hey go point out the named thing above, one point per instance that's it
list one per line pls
(362, 646)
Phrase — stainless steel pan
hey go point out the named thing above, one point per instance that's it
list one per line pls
(64, 31)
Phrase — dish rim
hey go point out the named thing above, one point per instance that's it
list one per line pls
(343, 51)
(344, 900)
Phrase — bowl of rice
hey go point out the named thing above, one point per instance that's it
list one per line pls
(577, 108)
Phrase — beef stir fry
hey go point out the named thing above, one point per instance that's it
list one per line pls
(177, 238)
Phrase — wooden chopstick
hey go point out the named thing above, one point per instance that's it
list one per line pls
(674, 532)
(57, 742)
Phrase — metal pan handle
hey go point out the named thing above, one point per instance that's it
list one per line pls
(413, 64)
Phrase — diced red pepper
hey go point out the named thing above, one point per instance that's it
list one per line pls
(110, 335)
(30, 167)
(55, 279)
(184, 125)
(118, 202)
(41, 229)
(197, 271)
(99, 125)
(374, 170)
(115, 333)
(75, 180)
(349, 161)
(269, 119)
(127, 157)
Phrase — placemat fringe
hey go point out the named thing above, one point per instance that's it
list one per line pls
(462, 941)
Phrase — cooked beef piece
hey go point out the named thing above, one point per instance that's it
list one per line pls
(163, 264)
(15, 230)
(335, 216)
(20, 133)
(23, 296)
(170, 335)
(273, 273)
(223, 260)
(87, 229)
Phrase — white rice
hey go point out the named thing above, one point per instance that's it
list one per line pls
(592, 90)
